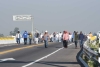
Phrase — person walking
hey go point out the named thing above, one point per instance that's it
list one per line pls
(51, 37)
(73, 36)
(65, 39)
(70, 37)
(46, 38)
(76, 39)
(30, 38)
(60, 37)
(57, 36)
(54, 36)
(18, 37)
(25, 34)
(81, 38)
(90, 34)
(41, 35)
(36, 37)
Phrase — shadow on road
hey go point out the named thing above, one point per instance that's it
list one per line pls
(16, 62)
(57, 64)
(45, 62)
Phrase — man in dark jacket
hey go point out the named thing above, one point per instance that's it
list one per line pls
(37, 37)
(81, 38)
(76, 39)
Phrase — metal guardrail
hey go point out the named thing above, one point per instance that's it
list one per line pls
(89, 53)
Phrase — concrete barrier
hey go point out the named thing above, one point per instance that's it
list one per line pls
(7, 40)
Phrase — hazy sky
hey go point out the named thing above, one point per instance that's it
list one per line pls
(51, 15)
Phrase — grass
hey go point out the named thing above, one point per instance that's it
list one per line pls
(90, 62)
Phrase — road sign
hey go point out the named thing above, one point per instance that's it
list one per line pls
(22, 17)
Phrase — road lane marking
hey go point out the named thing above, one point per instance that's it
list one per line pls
(13, 45)
(16, 49)
(41, 58)
(6, 59)
(44, 56)
(70, 44)
(7, 45)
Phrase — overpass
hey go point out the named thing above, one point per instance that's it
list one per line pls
(14, 55)
(37, 56)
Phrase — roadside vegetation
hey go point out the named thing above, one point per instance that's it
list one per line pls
(95, 47)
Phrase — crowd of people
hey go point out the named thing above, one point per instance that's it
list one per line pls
(45, 37)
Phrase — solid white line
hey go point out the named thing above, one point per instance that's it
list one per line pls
(6, 59)
(44, 57)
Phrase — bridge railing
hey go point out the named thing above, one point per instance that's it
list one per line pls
(90, 56)
(7, 40)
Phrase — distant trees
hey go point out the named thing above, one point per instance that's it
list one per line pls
(15, 31)
(1, 35)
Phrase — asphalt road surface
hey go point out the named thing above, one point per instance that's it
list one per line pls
(38, 56)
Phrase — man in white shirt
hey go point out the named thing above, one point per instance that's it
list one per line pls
(41, 35)
(60, 37)
(18, 36)
(57, 37)
(70, 37)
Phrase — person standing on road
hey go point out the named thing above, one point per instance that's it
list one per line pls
(57, 36)
(81, 38)
(73, 36)
(76, 39)
(51, 37)
(25, 34)
(36, 37)
(70, 37)
(41, 35)
(60, 37)
(65, 39)
(18, 37)
(90, 34)
(46, 38)
(30, 38)
(54, 36)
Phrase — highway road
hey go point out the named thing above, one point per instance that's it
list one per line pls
(38, 56)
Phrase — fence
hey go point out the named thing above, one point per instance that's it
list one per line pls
(89, 57)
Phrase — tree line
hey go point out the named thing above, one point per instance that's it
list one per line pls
(14, 31)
